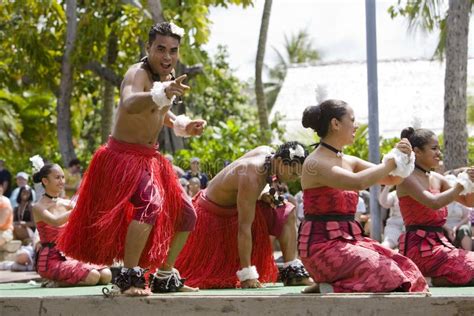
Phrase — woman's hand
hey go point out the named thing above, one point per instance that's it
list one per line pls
(404, 146)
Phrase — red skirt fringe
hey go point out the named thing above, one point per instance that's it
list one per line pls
(210, 258)
(98, 225)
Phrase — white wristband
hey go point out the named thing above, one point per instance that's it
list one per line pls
(464, 180)
(248, 273)
(158, 94)
(405, 164)
(179, 125)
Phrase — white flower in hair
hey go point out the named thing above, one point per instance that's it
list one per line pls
(176, 30)
(297, 152)
(37, 162)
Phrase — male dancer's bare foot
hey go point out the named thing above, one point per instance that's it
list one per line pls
(186, 288)
(311, 289)
(321, 288)
(135, 291)
(251, 284)
(300, 281)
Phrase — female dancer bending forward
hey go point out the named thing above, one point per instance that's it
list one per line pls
(331, 243)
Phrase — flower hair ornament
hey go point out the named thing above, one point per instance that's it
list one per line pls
(176, 30)
(37, 163)
(297, 152)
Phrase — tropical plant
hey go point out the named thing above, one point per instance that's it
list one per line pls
(454, 29)
(297, 48)
(259, 91)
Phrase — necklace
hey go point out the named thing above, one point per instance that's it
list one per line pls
(277, 198)
(54, 198)
(427, 172)
(334, 150)
(154, 76)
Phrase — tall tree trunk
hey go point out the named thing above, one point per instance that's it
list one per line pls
(156, 10)
(63, 106)
(260, 94)
(455, 83)
(109, 89)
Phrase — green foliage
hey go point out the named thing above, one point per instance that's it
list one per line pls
(360, 147)
(427, 15)
(298, 48)
(27, 128)
(218, 95)
(219, 144)
(32, 36)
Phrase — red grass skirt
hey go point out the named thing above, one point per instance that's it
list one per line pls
(437, 257)
(98, 225)
(210, 258)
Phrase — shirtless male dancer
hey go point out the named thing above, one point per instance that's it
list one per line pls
(234, 224)
(130, 202)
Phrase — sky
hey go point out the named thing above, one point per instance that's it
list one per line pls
(337, 28)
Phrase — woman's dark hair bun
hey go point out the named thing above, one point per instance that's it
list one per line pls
(37, 177)
(407, 132)
(311, 116)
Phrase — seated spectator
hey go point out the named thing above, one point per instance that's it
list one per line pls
(194, 186)
(300, 207)
(24, 259)
(394, 226)
(6, 219)
(458, 222)
(21, 181)
(185, 185)
(458, 225)
(73, 178)
(179, 172)
(196, 172)
(362, 216)
(23, 223)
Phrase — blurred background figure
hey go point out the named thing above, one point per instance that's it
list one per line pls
(179, 172)
(362, 214)
(195, 171)
(23, 223)
(5, 179)
(194, 186)
(458, 222)
(21, 182)
(185, 184)
(6, 220)
(394, 226)
(73, 178)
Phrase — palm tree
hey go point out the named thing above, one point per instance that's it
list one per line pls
(298, 48)
(454, 30)
(259, 92)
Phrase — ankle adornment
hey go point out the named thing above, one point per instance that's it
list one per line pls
(166, 281)
(293, 273)
(130, 277)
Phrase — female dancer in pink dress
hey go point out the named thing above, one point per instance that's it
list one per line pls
(423, 197)
(51, 214)
(331, 244)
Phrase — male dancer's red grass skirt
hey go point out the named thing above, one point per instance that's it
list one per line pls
(335, 251)
(210, 258)
(431, 250)
(98, 224)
